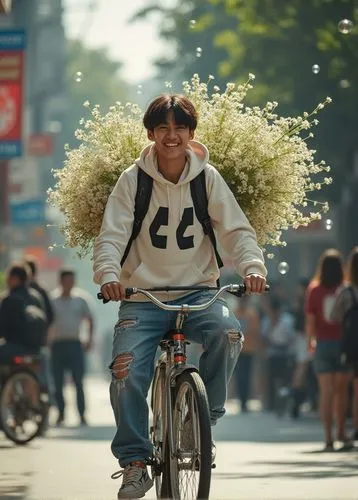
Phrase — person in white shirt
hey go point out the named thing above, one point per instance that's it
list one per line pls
(71, 308)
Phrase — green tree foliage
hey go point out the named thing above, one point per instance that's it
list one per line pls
(99, 83)
(278, 41)
(183, 37)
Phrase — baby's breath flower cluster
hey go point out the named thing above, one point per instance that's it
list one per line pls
(263, 158)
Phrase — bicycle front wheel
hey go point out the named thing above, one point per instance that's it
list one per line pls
(21, 410)
(190, 461)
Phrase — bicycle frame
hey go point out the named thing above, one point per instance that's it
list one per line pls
(175, 365)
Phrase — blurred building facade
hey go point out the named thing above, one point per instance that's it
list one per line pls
(26, 175)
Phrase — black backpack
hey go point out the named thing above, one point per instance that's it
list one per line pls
(200, 200)
(349, 345)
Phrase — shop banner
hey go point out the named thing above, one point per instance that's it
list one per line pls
(12, 45)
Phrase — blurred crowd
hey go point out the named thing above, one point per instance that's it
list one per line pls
(55, 327)
(294, 359)
(292, 363)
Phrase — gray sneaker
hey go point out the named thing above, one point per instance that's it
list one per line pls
(136, 481)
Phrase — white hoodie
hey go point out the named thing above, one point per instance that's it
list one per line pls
(173, 250)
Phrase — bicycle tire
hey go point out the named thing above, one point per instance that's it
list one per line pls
(191, 463)
(157, 432)
(10, 430)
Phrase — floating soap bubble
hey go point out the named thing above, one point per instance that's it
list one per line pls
(328, 223)
(78, 76)
(192, 24)
(345, 26)
(344, 84)
(283, 268)
(316, 69)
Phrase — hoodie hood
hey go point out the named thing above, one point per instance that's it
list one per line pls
(197, 157)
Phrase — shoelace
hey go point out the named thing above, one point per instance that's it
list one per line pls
(130, 473)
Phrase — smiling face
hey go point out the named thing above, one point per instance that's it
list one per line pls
(171, 139)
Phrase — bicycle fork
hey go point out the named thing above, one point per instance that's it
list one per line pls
(177, 365)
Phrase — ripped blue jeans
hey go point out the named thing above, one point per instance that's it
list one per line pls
(140, 328)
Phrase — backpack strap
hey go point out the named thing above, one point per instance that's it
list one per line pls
(141, 205)
(200, 200)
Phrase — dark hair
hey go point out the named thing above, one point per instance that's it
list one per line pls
(330, 268)
(183, 110)
(353, 266)
(67, 271)
(19, 270)
(32, 263)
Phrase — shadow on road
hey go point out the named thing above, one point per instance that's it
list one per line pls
(12, 486)
(295, 470)
(90, 433)
(259, 427)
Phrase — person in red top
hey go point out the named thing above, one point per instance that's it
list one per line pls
(324, 335)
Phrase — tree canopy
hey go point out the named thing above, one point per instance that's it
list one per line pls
(92, 76)
(296, 50)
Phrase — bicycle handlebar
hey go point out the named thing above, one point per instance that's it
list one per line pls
(237, 290)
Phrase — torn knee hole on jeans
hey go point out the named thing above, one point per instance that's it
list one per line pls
(121, 365)
(235, 339)
(126, 323)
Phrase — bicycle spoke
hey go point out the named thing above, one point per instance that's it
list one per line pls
(187, 464)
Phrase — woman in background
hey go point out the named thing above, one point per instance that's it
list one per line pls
(333, 375)
(346, 298)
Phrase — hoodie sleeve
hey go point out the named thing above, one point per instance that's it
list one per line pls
(234, 231)
(115, 231)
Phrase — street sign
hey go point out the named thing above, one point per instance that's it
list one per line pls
(40, 145)
(12, 44)
(29, 212)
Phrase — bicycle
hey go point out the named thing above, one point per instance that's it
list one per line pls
(23, 402)
(180, 407)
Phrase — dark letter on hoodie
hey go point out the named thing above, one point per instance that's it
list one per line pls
(161, 219)
(185, 242)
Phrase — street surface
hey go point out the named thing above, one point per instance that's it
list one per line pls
(259, 457)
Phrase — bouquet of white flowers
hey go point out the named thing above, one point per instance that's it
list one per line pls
(263, 158)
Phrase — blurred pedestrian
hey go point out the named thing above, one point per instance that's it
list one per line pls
(346, 300)
(250, 325)
(45, 353)
(22, 316)
(325, 337)
(277, 331)
(71, 307)
(33, 283)
(302, 356)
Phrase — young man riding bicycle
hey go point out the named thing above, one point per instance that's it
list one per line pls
(171, 249)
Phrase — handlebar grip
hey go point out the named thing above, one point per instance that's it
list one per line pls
(100, 297)
(129, 292)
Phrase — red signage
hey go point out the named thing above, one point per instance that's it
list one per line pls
(40, 145)
(11, 88)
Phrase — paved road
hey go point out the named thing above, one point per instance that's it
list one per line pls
(259, 458)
